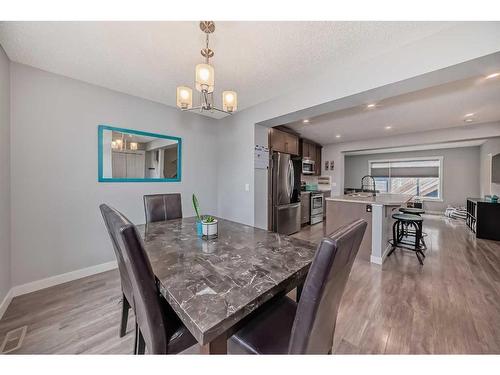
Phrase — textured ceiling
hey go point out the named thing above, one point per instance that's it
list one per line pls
(433, 108)
(260, 60)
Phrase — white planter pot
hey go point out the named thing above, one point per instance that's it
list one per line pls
(209, 230)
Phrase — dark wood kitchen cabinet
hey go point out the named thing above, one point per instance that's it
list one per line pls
(317, 165)
(282, 141)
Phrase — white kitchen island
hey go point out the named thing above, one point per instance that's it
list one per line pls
(376, 210)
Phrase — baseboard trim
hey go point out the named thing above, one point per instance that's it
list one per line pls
(5, 303)
(62, 278)
(380, 260)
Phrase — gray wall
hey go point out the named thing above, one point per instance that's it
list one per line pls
(460, 172)
(5, 283)
(56, 223)
(490, 148)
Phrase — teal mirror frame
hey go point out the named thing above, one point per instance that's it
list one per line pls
(101, 178)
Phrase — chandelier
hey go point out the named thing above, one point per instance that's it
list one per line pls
(205, 83)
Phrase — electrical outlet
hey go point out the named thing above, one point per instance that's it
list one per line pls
(368, 208)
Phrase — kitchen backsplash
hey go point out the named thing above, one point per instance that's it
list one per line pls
(309, 179)
(323, 182)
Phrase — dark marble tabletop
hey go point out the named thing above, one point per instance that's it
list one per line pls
(213, 284)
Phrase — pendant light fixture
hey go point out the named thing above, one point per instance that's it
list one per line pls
(205, 83)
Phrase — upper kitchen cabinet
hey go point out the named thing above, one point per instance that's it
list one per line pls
(318, 160)
(282, 141)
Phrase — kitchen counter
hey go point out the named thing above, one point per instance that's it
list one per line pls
(376, 210)
(380, 199)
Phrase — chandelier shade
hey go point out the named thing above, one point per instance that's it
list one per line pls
(205, 78)
(229, 101)
(184, 97)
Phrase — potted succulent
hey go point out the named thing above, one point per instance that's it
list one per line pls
(206, 226)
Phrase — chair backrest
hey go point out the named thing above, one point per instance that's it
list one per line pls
(114, 221)
(161, 207)
(149, 311)
(314, 324)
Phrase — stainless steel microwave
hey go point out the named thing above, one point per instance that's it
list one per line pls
(308, 166)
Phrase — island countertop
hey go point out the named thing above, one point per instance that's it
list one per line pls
(380, 199)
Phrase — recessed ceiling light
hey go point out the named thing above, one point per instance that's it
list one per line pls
(388, 127)
(306, 121)
(468, 120)
(469, 115)
(494, 75)
(337, 136)
(370, 106)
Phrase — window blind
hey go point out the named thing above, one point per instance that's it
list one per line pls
(415, 169)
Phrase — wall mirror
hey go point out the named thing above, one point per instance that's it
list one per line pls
(135, 156)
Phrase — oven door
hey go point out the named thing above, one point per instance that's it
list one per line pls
(316, 204)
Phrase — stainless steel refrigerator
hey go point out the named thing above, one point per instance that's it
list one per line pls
(285, 188)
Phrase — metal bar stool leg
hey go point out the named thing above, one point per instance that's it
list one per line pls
(394, 238)
(418, 234)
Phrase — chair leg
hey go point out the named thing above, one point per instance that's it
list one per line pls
(123, 324)
(299, 292)
(141, 345)
(136, 337)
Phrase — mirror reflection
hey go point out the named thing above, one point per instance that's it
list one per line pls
(131, 155)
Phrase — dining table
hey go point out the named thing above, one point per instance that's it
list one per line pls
(214, 284)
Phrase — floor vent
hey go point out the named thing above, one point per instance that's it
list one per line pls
(13, 340)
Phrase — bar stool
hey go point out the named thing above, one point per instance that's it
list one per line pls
(401, 236)
(414, 211)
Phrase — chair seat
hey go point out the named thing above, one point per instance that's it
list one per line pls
(268, 331)
(412, 210)
(407, 217)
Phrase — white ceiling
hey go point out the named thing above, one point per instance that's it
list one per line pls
(260, 60)
(437, 107)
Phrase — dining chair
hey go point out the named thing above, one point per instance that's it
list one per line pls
(283, 326)
(162, 207)
(113, 220)
(157, 327)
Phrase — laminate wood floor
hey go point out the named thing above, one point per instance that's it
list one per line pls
(450, 305)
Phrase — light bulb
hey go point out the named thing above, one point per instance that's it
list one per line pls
(184, 97)
(204, 74)
(229, 101)
(204, 78)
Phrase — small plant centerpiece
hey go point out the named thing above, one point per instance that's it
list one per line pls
(206, 225)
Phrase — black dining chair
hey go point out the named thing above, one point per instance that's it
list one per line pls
(113, 220)
(283, 326)
(162, 207)
(158, 328)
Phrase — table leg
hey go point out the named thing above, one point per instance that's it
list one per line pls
(216, 346)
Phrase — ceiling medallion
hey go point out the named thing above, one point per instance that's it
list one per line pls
(205, 83)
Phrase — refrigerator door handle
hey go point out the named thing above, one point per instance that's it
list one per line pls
(292, 179)
(288, 180)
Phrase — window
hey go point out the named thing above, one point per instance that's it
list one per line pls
(420, 176)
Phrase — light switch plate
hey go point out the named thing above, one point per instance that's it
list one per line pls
(247, 187)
